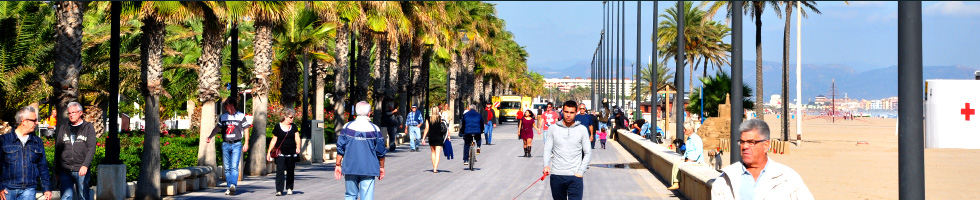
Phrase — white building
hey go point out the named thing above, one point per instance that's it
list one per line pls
(776, 101)
(567, 84)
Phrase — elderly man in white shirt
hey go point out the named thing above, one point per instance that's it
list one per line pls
(693, 153)
(757, 176)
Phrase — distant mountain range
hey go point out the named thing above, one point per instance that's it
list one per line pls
(874, 83)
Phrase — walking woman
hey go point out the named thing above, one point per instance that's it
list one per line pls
(435, 133)
(527, 128)
(285, 137)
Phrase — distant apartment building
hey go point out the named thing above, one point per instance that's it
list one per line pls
(567, 84)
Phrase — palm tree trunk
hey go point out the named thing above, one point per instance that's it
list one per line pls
(341, 77)
(758, 60)
(454, 66)
(404, 64)
(785, 83)
(320, 80)
(68, 62)
(392, 87)
(424, 76)
(289, 86)
(363, 70)
(151, 50)
(260, 100)
(207, 90)
(381, 72)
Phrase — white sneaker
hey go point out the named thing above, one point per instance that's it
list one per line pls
(231, 190)
(289, 191)
(227, 191)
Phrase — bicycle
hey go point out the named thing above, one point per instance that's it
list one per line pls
(473, 153)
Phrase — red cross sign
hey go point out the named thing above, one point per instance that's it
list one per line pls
(967, 111)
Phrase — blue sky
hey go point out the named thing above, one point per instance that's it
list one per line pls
(863, 35)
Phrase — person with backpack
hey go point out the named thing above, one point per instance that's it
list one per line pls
(436, 133)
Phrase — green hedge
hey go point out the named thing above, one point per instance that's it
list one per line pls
(177, 150)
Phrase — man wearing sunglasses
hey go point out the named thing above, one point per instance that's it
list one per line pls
(757, 176)
(24, 164)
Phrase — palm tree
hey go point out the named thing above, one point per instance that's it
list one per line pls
(703, 39)
(664, 77)
(265, 15)
(26, 54)
(68, 62)
(209, 74)
(716, 91)
(789, 7)
(755, 9)
(154, 16)
(299, 38)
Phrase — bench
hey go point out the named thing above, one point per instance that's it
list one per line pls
(695, 180)
(330, 150)
(172, 181)
(198, 178)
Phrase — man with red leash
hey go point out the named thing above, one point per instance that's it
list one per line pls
(567, 154)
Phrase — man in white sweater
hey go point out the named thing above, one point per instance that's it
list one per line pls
(567, 155)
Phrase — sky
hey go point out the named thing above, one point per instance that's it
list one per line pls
(864, 35)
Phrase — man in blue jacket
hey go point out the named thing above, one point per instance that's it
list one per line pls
(472, 128)
(22, 162)
(360, 155)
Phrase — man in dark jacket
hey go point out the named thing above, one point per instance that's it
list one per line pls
(74, 150)
(390, 117)
(491, 122)
(472, 126)
(23, 164)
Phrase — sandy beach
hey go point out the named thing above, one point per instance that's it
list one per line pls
(834, 166)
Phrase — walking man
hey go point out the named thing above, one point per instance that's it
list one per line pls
(757, 176)
(360, 155)
(472, 126)
(586, 120)
(23, 160)
(491, 122)
(566, 155)
(548, 117)
(234, 126)
(74, 150)
(413, 126)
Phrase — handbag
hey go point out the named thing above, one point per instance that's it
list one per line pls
(275, 150)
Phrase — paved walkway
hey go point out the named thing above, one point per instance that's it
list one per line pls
(502, 174)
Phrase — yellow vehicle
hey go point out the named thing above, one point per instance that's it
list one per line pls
(508, 107)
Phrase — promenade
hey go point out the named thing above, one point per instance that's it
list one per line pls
(502, 174)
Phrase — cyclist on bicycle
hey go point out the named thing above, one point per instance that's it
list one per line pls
(472, 128)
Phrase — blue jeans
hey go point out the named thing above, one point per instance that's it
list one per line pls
(21, 194)
(231, 154)
(73, 186)
(566, 187)
(414, 135)
(359, 187)
(488, 132)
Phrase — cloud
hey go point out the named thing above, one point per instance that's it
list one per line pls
(953, 8)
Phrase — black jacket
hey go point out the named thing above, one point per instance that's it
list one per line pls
(73, 155)
(491, 115)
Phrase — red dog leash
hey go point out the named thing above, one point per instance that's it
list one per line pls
(529, 187)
